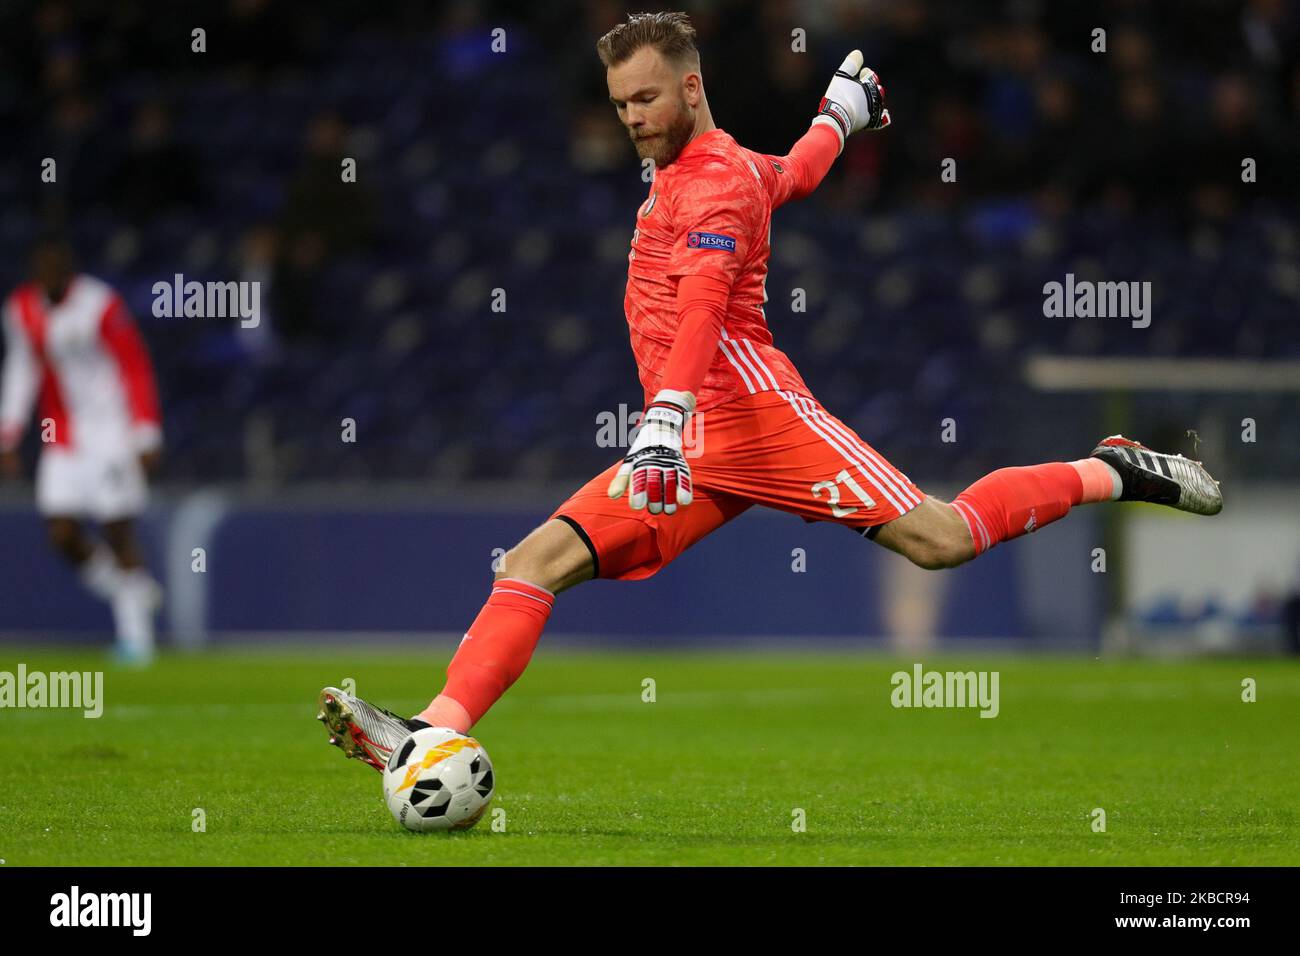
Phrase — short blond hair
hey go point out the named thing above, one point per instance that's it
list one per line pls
(672, 34)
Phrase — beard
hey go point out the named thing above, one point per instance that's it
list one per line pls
(667, 143)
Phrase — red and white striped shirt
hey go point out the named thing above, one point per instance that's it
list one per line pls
(85, 361)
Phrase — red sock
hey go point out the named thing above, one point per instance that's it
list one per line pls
(495, 649)
(1014, 501)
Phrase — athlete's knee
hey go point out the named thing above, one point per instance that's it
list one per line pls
(947, 542)
(933, 536)
(66, 537)
(939, 553)
(121, 539)
(552, 556)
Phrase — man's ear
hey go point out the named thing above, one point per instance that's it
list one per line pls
(692, 88)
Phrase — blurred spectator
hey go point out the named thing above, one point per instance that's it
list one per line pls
(323, 217)
(1142, 166)
(257, 255)
(157, 175)
(318, 202)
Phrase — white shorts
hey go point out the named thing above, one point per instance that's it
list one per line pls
(94, 483)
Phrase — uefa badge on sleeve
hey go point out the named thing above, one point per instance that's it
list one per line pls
(710, 240)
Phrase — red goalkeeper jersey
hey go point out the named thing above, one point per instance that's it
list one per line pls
(709, 213)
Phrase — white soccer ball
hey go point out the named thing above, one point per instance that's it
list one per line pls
(438, 779)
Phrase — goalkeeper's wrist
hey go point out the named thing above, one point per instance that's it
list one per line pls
(670, 407)
(671, 396)
(831, 123)
(663, 415)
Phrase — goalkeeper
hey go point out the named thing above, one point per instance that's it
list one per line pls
(697, 269)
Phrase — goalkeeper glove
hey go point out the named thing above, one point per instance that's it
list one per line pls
(655, 467)
(855, 100)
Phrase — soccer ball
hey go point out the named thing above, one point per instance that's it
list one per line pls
(438, 779)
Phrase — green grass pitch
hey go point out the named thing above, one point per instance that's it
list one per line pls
(711, 772)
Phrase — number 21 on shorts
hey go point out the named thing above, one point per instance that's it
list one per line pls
(832, 489)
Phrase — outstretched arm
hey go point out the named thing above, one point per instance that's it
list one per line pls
(806, 165)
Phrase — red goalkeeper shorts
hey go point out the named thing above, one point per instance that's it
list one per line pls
(778, 449)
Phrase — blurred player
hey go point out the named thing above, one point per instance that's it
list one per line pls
(696, 287)
(71, 344)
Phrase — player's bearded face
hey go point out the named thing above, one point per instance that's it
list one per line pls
(650, 94)
(663, 143)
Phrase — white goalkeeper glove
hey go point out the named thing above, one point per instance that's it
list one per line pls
(855, 100)
(654, 466)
